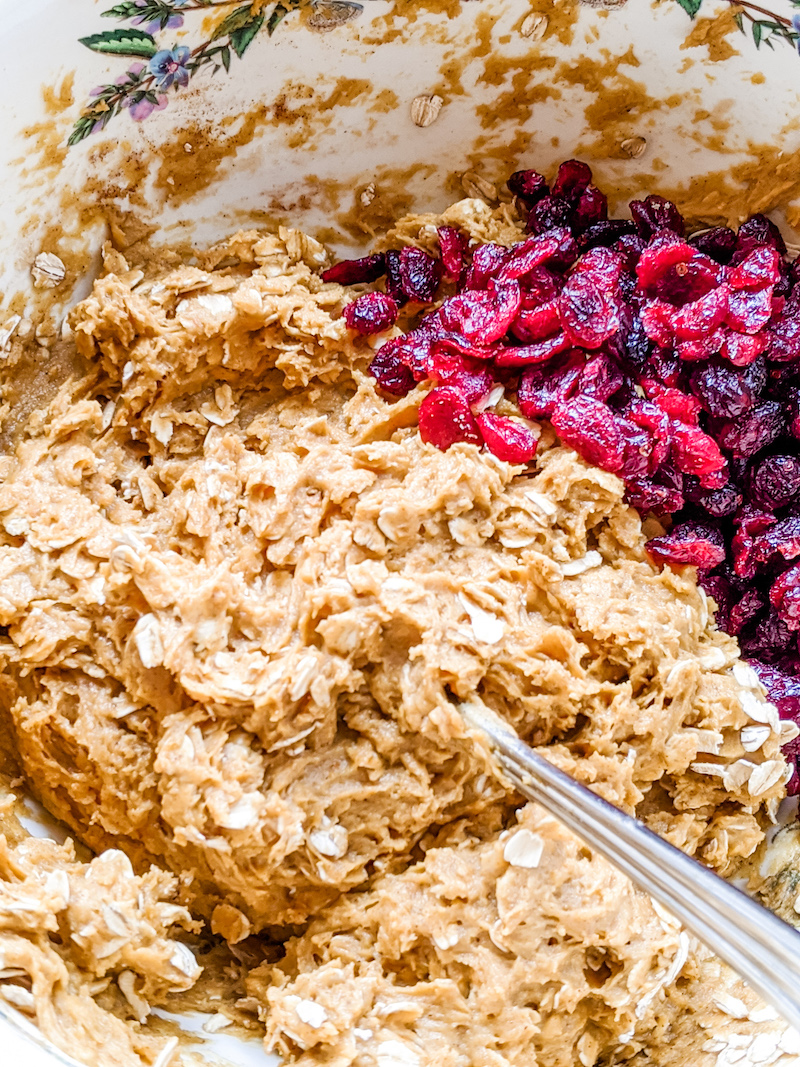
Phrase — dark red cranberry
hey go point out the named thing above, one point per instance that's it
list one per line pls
(391, 374)
(698, 544)
(420, 274)
(726, 392)
(550, 213)
(606, 232)
(591, 208)
(654, 213)
(720, 503)
(719, 243)
(646, 495)
(767, 638)
(544, 386)
(355, 271)
(453, 244)
(753, 431)
(746, 610)
(775, 481)
(759, 230)
(528, 185)
(785, 597)
(371, 313)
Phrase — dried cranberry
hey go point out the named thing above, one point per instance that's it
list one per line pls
(658, 425)
(758, 270)
(589, 306)
(753, 431)
(482, 315)
(767, 638)
(637, 449)
(538, 323)
(531, 253)
(445, 418)
(775, 481)
(606, 232)
(646, 495)
(719, 243)
(719, 587)
(785, 597)
(725, 392)
(746, 610)
(719, 503)
(654, 213)
(782, 537)
(793, 407)
(394, 280)
(749, 312)
(472, 379)
(694, 451)
(371, 313)
(783, 689)
(528, 185)
(508, 439)
(590, 427)
(572, 178)
(539, 352)
(420, 274)
(742, 349)
(784, 334)
(591, 208)
(354, 271)
(759, 230)
(453, 244)
(542, 387)
(750, 524)
(550, 213)
(487, 260)
(674, 403)
(677, 273)
(389, 371)
(601, 378)
(695, 543)
(700, 318)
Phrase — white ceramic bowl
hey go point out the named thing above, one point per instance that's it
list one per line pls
(251, 118)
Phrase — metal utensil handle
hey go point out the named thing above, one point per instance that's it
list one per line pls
(760, 947)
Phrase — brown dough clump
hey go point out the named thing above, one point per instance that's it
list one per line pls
(243, 603)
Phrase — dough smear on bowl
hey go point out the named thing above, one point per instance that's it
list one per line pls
(242, 601)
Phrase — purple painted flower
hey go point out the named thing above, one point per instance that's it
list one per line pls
(169, 66)
(172, 23)
(143, 109)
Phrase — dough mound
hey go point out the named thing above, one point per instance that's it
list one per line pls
(243, 601)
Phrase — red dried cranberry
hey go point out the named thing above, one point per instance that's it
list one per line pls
(750, 525)
(445, 418)
(742, 349)
(550, 213)
(539, 352)
(767, 638)
(725, 392)
(590, 427)
(698, 544)
(472, 379)
(673, 402)
(528, 185)
(694, 451)
(719, 243)
(654, 213)
(453, 244)
(785, 597)
(758, 270)
(588, 303)
(782, 537)
(753, 431)
(759, 230)
(531, 253)
(542, 387)
(606, 233)
(487, 260)
(354, 271)
(657, 320)
(391, 374)
(394, 280)
(572, 178)
(508, 439)
(420, 274)
(719, 503)
(591, 208)
(775, 481)
(700, 318)
(746, 610)
(677, 273)
(646, 495)
(482, 315)
(658, 425)
(371, 313)
(538, 323)
(637, 449)
(784, 333)
(601, 378)
(749, 312)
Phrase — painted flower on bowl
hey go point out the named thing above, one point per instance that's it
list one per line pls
(169, 66)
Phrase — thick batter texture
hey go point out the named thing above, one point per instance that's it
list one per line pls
(242, 603)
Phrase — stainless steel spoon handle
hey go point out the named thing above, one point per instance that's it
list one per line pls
(760, 947)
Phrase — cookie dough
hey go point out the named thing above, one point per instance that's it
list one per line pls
(242, 601)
